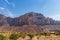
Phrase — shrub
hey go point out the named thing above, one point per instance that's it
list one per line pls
(22, 35)
(14, 36)
(2, 37)
(31, 35)
(45, 34)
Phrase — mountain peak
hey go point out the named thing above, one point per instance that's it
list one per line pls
(34, 14)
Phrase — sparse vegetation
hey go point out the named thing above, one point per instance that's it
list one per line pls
(41, 36)
(2, 37)
(22, 35)
(31, 35)
(14, 36)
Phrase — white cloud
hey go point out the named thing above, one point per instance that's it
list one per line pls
(55, 16)
(10, 3)
(1, 8)
(13, 4)
(7, 1)
(10, 13)
(7, 11)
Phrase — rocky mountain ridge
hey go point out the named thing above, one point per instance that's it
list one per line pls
(31, 18)
(29, 22)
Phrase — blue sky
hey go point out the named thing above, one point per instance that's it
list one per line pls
(15, 8)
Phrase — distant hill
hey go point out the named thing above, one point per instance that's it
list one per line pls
(29, 22)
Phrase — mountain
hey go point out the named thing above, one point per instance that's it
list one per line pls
(32, 18)
(29, 22)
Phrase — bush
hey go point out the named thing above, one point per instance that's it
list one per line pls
(31, 35)
(22, 35)
(2, 37)
(45, 34)
(14, 36)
